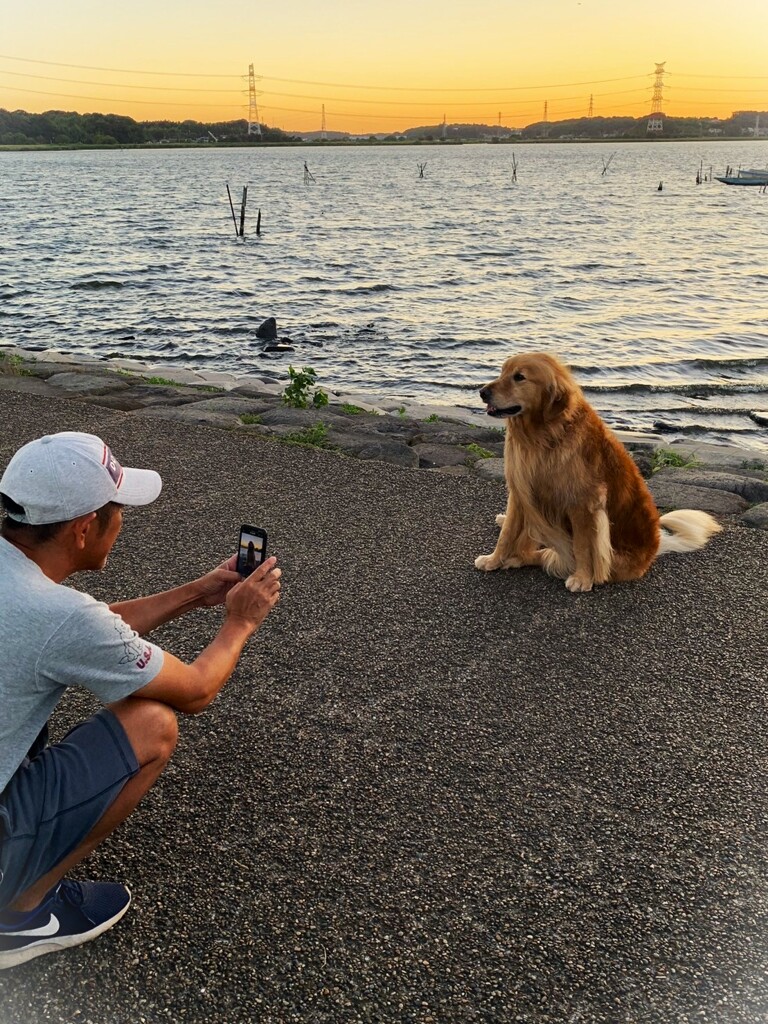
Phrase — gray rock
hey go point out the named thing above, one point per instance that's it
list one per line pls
(491, 469)
(234, 405)
(643, 462)
(380, 449)
(485, 438)
(189, 414)
(668, 492)
(750, 488)
(146, 397)
(87, 383)
(434, 456)
(267, 330)
(756, 517)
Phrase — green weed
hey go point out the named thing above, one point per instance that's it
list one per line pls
(481, 453)
(250, 419)
(666, 457)
(297, 390)
(314, 436)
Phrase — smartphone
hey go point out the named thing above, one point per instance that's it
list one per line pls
(251, 549)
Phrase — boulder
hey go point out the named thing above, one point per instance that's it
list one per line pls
(756, 517)
(751, 488)
(435, 456)
(87, 383)
(267, 330)
(491, 469)
(670, 493)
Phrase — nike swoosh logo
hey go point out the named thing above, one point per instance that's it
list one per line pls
(47, 929)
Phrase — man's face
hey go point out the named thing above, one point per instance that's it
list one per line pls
(101, 539)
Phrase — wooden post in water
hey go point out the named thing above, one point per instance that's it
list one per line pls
(232, 208)
(422, 168)
(514, 168)
(242, 211)
(258, 224)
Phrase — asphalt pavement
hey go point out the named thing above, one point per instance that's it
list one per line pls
(428, 794)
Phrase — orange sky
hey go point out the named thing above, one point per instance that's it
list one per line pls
(385, 69)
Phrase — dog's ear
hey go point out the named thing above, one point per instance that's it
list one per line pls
(558, 393)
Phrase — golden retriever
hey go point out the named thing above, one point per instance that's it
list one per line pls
(578, 506)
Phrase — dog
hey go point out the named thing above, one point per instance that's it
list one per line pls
(578, 506)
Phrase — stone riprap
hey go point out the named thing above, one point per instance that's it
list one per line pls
(722, 481)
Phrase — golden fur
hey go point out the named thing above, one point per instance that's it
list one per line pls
(578, 506)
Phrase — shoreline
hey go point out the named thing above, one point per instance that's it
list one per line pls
(723, 480)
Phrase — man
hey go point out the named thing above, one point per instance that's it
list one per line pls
(63, 496)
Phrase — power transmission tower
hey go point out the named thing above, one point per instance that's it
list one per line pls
(591, 112)
(254, 125)
(656, 120)
(323, 136)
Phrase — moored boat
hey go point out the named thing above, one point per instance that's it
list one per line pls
(745, 176)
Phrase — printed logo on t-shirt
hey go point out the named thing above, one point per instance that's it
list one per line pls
(136, 649)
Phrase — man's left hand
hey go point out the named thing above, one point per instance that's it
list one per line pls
(217, 583)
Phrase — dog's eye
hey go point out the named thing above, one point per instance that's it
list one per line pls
(518, 376)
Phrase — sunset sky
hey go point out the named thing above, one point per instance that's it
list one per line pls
(383, 67)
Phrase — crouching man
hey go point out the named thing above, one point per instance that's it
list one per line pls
(63, 496)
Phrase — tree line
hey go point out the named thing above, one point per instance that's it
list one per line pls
(66, 128)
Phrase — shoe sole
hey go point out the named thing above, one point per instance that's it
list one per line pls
(14, 957)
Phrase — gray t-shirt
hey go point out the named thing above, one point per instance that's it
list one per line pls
(52, 637)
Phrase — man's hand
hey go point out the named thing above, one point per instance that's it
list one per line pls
(252, 599)
(216, 584)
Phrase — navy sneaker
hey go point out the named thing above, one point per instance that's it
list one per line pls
(72, 913)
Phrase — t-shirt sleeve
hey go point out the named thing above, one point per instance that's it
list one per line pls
(97, 649)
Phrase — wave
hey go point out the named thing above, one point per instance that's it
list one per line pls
(95, 285)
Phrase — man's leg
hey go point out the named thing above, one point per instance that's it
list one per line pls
(152, 731)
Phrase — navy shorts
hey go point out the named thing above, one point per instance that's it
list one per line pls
(57, 796)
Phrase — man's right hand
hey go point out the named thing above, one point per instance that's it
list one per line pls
(254, 598)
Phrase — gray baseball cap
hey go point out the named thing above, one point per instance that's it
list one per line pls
(62, 476)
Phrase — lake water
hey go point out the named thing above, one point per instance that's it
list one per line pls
(409, 287)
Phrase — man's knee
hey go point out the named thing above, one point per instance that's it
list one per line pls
(150, 726)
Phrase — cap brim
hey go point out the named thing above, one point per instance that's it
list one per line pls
(139, 486)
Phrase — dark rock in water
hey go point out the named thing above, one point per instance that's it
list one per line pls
(268, 330)
(283, 345)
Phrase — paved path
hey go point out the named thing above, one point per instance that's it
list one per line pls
(427, 794)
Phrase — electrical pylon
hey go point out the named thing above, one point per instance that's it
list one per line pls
(322, 124)
(254, 125)
(656, 120)
(591, 112)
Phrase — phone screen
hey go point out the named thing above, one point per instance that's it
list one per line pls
(251, 550)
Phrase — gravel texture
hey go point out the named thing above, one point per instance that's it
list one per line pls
(428, 794)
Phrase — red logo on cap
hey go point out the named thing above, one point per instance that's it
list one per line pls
(112, 466)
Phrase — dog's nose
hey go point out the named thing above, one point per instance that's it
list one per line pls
(485, 393)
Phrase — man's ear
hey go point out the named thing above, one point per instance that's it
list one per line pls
(80, 528)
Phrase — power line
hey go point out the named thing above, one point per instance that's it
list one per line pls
(332, 85)
(121, 71)
(116, 85)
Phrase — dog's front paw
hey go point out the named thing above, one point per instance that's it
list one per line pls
(487, 563)
(579, 583)
(500, 519)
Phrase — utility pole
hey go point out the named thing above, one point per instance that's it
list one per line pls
(254, 126)
(323, 135)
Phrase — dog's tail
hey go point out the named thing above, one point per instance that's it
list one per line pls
(686, 530)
